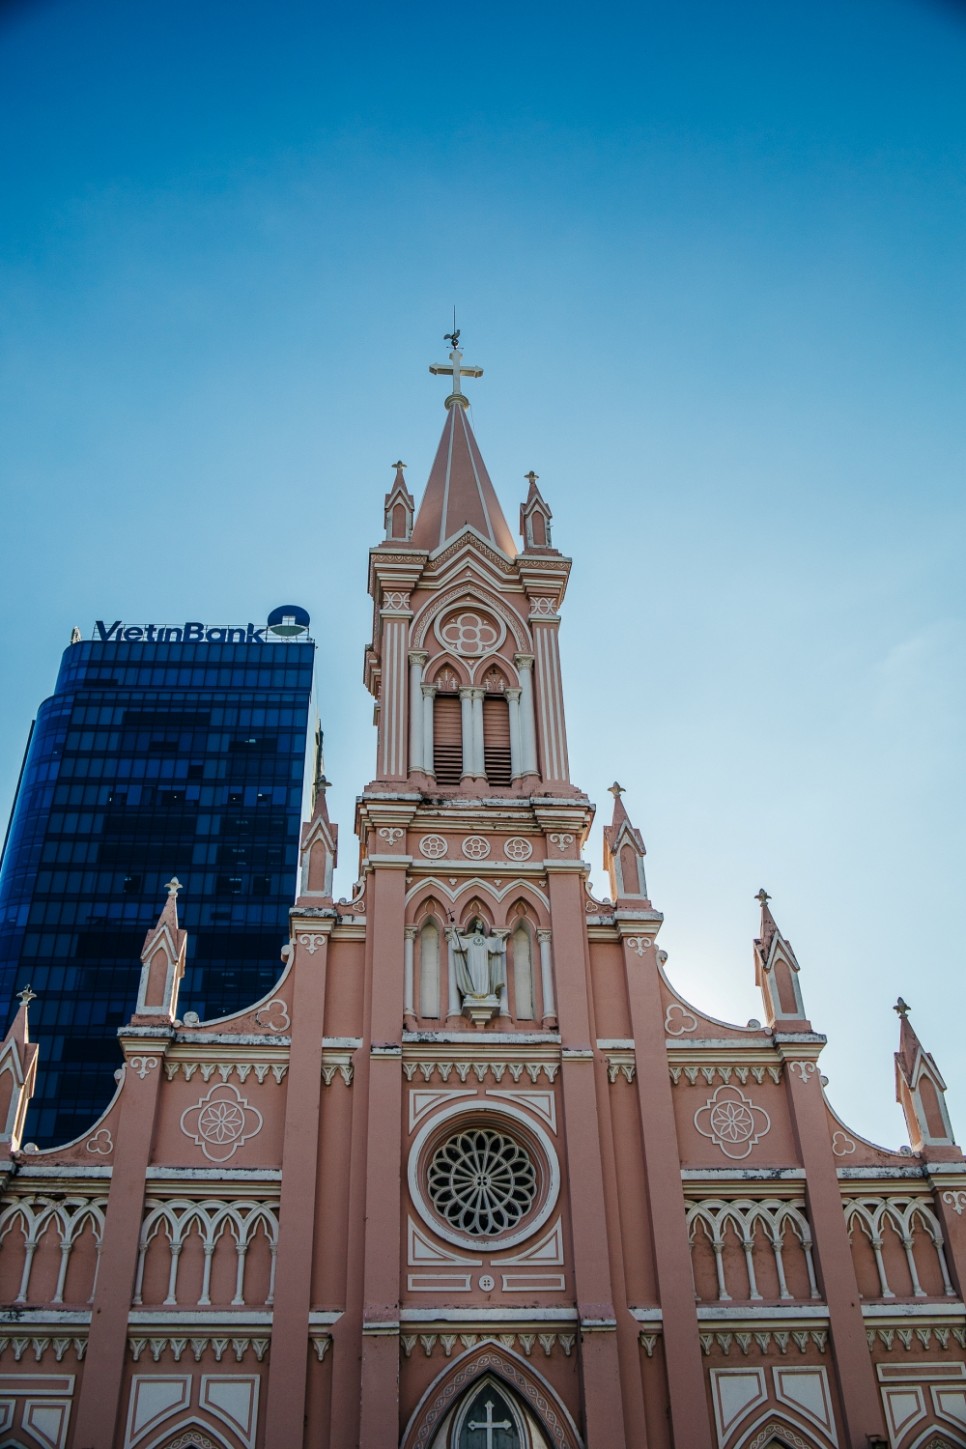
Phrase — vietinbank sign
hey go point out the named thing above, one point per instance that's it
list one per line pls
(289, 621)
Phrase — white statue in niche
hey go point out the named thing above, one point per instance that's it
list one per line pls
(479, 964)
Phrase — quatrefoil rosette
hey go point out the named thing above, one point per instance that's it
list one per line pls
(470, 632)
(732, 1121)
(221, 1122)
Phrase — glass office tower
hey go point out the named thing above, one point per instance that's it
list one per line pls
(163, 751)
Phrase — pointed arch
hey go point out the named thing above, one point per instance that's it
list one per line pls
(470, 1423)
(775, 1431)
(430, 941)
(490, 1359)
(471, 591)
(933, 1438)
(191, 1434)
(523, 957)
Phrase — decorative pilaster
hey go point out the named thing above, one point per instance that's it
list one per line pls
(553, 729)
(417, 661)
(528, 724)
(599, 1365)
(298, 1205)
(672, 1253)
(858, 1392)
(392, 694)
(98, 1405)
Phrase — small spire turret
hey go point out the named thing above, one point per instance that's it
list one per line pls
(18, 1075)
(163, 957)
(920, 1089)
(624, 853)
(400, 507)
(776, 971)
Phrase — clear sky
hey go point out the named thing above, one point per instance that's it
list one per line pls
(711, 258)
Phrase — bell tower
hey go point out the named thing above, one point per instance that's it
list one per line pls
(478, 1007)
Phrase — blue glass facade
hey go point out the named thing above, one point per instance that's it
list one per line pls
(149, 760)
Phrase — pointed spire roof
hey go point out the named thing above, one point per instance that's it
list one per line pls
(621, 823)
(769, 927)
(459, 492)
(910, 1047)
(167, 927)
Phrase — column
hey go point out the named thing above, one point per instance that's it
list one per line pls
(479, 766)
(553, 730)
(409, 1011)
(528, 725)
(429, 759)
(853, 1366)
(454, 1005)
(690, 1423)
(100, 1391)
(513, 705)
(466, 720)
(298, 1202)
(417, 756)
(546, 978)
(502, 933)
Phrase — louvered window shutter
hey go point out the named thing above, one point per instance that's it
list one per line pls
(496, 741)
(447, 740)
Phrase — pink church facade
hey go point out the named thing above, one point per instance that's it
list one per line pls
(474, 1175)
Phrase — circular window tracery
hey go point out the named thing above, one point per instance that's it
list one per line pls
(478, 1171)
(482, 1182)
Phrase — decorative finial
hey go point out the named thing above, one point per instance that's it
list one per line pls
(763, 898)
(26, 996)
(616, 790)
(902, 1008)
(173, 886)
(398, 465)
(531, 477)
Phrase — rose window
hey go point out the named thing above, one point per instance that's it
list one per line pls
(482, 1182)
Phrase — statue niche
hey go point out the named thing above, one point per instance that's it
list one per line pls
(479, 964)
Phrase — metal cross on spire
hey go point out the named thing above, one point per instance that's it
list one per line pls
(455, 368)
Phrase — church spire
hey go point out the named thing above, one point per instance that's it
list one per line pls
(459, 493)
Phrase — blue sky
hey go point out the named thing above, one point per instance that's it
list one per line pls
(712, 261)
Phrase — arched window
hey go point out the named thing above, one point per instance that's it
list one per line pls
(496, 740)
(490, 1422)
(447, 740)
(429, 970)
(522, 946)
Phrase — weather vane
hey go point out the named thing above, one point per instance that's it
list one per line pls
(455, 368)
